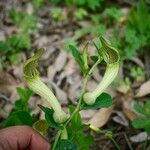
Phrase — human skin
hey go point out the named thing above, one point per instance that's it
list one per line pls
(22, 138)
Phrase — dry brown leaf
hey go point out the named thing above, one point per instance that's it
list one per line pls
(7, 83)
(138, 62)
(74, 89)
(87, 114)
(144, 89)
(120, 118)
(91, 85)
(96, 75)
(128, 108)
(60, 61)
(101, 117)
(70, 67)
(60, 94)
(51, 71)
(140, 137)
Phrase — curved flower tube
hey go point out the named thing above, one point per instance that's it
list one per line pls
(111, 57)
(34, 82)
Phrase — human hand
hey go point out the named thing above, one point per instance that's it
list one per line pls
(22, 138)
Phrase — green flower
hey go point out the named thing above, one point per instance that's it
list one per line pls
(111, 57)
(34, 82)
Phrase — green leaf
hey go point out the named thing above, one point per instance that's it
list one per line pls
(102, 101)
(24, 94)
(20, 105)
(41, 126)
(66, 145)
(138, 107)
(141, 122)
(76, 131)
(84, 141)
(77, 57)
(94, 58)
(69, 42)
(49, 117)
(147, 129)
(18, 118)
(76, 122)
(114, 13)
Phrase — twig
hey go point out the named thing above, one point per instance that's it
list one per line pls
(128, 142)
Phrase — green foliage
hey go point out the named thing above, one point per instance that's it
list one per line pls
(49, 117)
(22, 103)
(56, 14)
(94, 58)
(18, 118)
(102, 101)
(80, 13)
(21, 112)
(137, 30)
(66, 145)
(114, 13)
(38, 3)
(88, 4)
(138, 74)
(136, 20)
(96, 30)
(134, 43)
(69, 42)
(78, 58)
(142, 122)
(13, 45)
(27, 22)
(76, 131)
(20, 41)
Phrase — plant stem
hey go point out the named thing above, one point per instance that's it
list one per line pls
(56, 139)
(115, 143)
(84, 83)
(80, 100)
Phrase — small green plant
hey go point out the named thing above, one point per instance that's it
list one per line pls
(80, 13)
(114, 13)
(20, 41)
(143, 122)
(38, 3)
(138, 74)
(69, 126)
(56, 14)
(29, 22)
(87, 4)
(69, 42)
(21, 112)
(98, 29)
(13, 45)
(136, 32)
(26, 22)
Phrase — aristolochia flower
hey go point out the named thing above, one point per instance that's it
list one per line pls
(111, 57)
(34, 82)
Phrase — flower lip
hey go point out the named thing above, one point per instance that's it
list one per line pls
(29, 67)
(110, 54)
